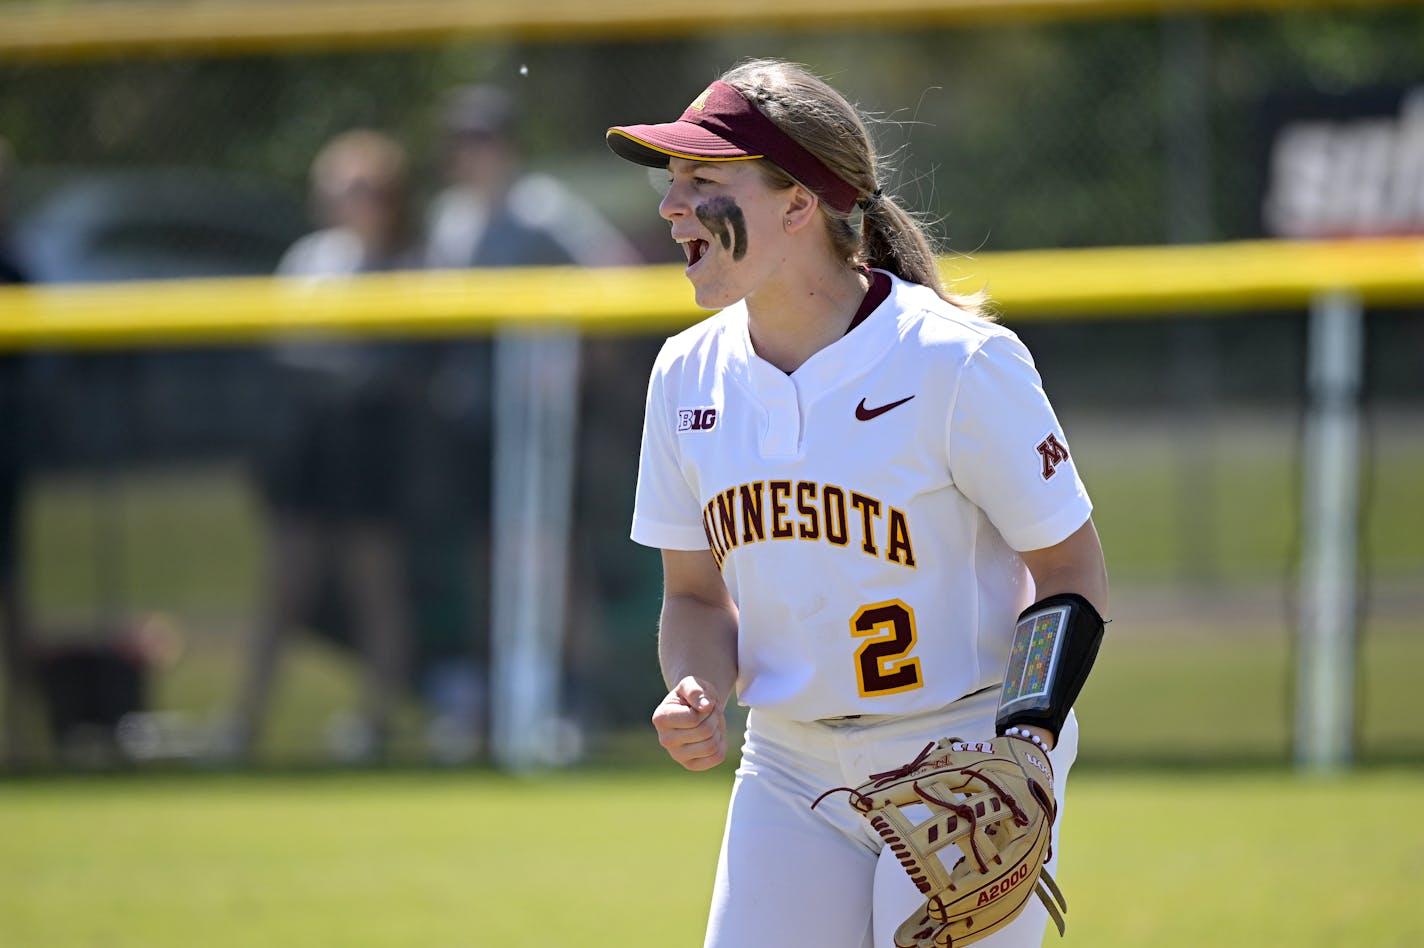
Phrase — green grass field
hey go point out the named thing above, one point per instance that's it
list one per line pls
(590, 859)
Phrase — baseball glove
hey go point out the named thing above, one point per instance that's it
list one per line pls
(994, 799)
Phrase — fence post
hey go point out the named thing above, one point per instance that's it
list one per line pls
(1194, 364)
(535, 417)
(1325, 699)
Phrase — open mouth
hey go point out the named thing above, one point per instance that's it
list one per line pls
(695, 249)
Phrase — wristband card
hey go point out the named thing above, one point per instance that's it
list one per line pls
(1032, 660)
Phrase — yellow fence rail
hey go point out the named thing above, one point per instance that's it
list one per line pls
(1120, 283)
(114, 28)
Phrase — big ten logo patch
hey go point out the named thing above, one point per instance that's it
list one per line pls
(1052, 453)
(696, 419)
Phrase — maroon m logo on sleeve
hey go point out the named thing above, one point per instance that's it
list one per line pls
(1053, 453)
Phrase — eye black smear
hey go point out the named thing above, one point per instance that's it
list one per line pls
(724, 218)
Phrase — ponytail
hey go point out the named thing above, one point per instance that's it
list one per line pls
(891, 239)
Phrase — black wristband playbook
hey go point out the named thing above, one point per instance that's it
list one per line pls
(1055, 642)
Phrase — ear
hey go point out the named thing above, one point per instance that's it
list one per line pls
(800, 208)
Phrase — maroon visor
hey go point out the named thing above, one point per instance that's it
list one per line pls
(723, 125)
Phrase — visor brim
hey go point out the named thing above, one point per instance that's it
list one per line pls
(654, 145)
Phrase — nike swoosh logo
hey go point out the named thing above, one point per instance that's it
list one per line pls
(865, 414)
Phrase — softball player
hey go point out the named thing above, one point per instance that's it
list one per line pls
(857, 484)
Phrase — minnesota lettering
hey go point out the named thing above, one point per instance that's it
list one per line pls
(805, 510)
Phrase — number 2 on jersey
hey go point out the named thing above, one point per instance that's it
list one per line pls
(883, 665)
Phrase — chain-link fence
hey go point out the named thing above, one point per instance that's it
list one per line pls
(143, 486)
(1052, 134)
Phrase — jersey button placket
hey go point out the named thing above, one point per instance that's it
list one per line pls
(783, 430)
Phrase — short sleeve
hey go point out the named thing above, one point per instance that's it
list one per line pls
(666, 513)
(1007, 453)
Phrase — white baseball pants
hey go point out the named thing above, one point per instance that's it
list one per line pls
(791, 877)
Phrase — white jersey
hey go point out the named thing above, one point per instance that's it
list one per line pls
(865, 510)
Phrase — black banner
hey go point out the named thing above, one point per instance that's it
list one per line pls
(1345, 166)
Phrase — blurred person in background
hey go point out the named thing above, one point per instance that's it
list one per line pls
(360, 188)
(9, 269)
(12, 630)
(491, 212)
(494, 213)
(332, 467)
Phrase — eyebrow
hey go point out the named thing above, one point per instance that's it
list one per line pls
(700, 166)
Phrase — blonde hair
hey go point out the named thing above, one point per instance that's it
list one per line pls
(359, 154)
(820, 120)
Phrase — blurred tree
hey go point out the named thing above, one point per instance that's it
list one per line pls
(1045, 134)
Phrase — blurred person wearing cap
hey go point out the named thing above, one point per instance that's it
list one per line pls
(858, 488)
(493, 213)
(13, 650)
(333, 465)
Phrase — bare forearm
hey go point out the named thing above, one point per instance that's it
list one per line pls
(697, 639)
(1091, 584)
(1073, 566)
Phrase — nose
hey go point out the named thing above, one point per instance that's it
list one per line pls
(674, 203)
